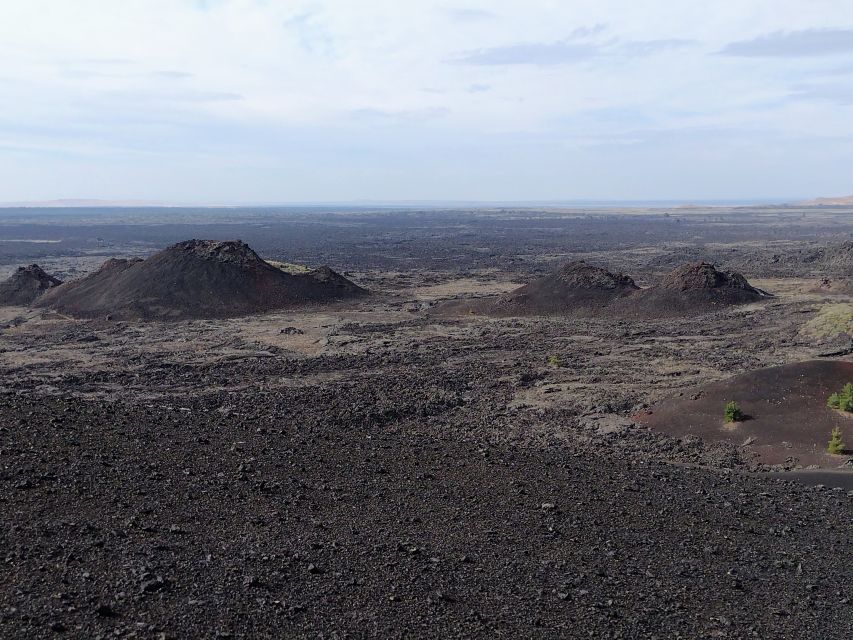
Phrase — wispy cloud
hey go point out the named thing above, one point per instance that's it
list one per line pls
(469, 15)
(838, 93)
(650, 47)
(586, 32)
(111, 62)
(794, 44)
(376, 116)
(174, 75)
(564, 52)
(123, 72)
(580, 46)
(311, 32)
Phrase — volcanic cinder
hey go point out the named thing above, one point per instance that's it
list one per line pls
(363, 470)
(25, 285)
(786, 416)
(578, 289)
(574, 289)
(195, 279)
(691, 289)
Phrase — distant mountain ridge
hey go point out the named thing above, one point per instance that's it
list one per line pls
(72, 203)
(827, 202)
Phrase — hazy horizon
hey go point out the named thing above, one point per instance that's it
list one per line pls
(95, 203)
(324, 101)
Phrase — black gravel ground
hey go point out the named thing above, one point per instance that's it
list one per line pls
(412, 479)
(122, 520)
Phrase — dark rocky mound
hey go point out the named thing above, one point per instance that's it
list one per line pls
(575, 289)
(703, 276)
(579, 290)
(195, 279)
(25, 285)
(693, 288)
(575, 276)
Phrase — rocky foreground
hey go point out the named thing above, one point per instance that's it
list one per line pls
(322, 512)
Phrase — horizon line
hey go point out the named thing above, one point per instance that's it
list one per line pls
(73, 203)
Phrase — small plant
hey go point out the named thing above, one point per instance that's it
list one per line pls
(842, 400)
(834, 401)
(732, 412)
(836, 445)
(555, 361)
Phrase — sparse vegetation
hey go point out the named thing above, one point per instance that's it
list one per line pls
(843, 400)
(555, 361)
(832, 320)
(732, 412)
(289, 267)
(836, 445)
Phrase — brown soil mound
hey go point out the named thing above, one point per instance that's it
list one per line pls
(575, 289)
(787, 416)
(195, 279)
(25, 285)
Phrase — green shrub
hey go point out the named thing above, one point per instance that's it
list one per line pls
(842, 400)
(732, 412)
(836, 445)
(555, 361)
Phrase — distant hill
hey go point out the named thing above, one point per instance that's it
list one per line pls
(83, 203)
(194, 279)
(581, 290)
(827, 202)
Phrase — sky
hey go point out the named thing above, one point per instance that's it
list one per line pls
(262, 101)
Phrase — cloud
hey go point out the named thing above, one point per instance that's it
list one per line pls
(380, 116)
(104, 61)
(173, 97)
(469, 15)
(838, 71)
(121, 73)
(542, 54)
(311, 32)
(175, 75)
(208, 5)
(579, 47)
(650, 47)
(585, 32)
(837, 93)
(794, 44)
